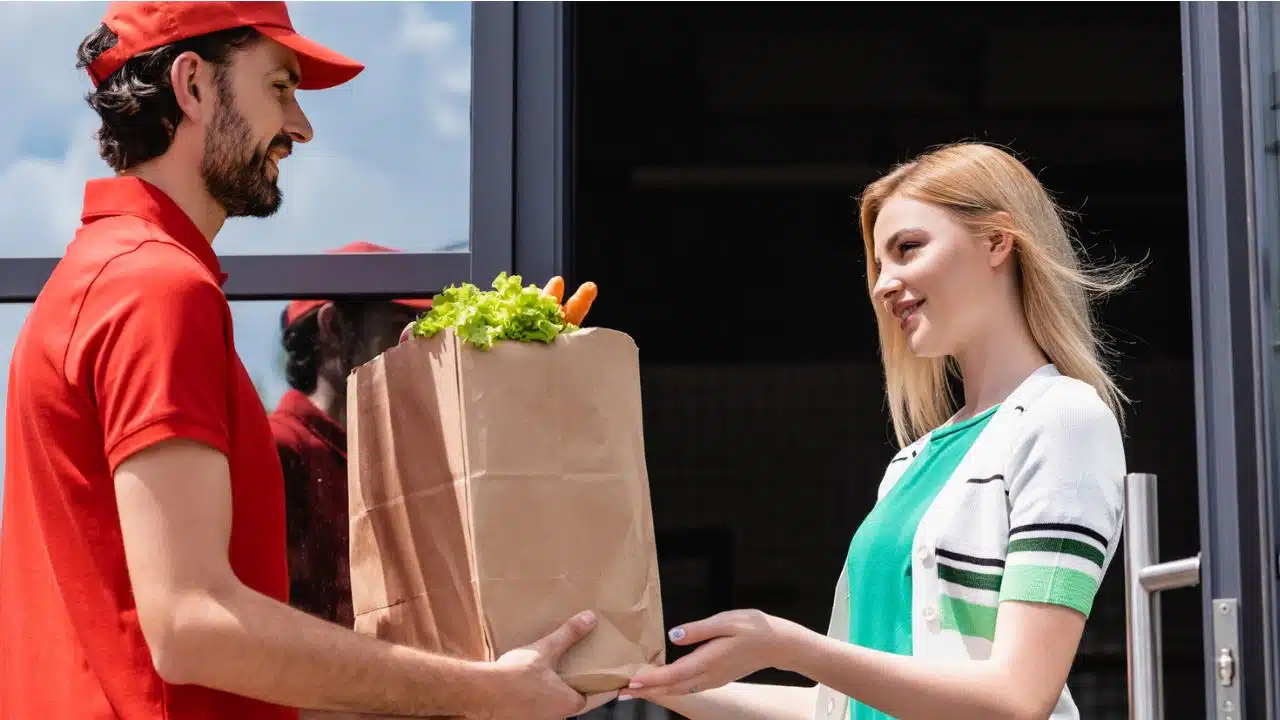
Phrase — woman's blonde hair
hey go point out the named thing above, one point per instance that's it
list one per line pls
(991, 192)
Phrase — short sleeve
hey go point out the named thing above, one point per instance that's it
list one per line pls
(153, 336)
(1066, 480)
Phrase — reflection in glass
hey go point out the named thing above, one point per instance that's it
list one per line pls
(1264, 31)
(257, 333)
(11, 318)
(390, 162)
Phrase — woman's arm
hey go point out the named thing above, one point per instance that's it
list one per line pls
(1065, 492)
(744, 701)
(1023, 679)
(1035, 645)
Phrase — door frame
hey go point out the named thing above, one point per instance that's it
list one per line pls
(1231, 350)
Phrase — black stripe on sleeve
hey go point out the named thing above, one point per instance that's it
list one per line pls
(1063, 527)
(960, 557)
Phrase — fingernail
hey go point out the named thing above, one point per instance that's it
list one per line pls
(587, 617)
(676, 634)
(624, 698)
(635, 685)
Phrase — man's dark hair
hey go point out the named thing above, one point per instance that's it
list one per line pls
(137, 104)
(302, 342)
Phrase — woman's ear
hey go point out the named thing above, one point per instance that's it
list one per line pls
(1000, 244)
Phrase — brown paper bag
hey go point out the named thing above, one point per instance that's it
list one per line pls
(494, 494)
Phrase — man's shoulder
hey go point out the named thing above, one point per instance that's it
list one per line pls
(289, 433)
(283, 426)
(136, 271)
(125, 284)
(130, 249)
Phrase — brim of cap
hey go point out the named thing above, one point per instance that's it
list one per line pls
(416, 304)
(321, 67)
(299, 309)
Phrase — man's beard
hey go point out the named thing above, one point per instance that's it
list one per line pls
(234, 173)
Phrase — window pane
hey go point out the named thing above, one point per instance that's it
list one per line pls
(258, 341)
(390, 162)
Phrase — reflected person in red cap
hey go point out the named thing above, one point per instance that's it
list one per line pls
(143, 566)
(323, 342)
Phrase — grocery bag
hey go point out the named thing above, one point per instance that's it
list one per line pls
(499, 487)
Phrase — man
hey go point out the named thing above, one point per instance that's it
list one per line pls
(142, 561)
(323, 342)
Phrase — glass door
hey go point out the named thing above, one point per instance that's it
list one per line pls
(1262, 34)
(1229, 64)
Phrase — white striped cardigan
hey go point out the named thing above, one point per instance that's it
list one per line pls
(1032, 513)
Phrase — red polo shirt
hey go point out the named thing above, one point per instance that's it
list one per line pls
(313, 453)
(130, 343)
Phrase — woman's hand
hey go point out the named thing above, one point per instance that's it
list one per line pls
(736, 644)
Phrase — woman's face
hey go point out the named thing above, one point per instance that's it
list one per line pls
(939, 281)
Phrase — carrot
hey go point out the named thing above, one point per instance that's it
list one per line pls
(575, 310)
(555, 288)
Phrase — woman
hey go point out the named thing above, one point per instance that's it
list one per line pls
(967, 587)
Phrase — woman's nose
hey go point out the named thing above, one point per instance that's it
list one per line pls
(886, 285)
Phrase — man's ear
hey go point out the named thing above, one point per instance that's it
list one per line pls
(192, 83)
(329, 321)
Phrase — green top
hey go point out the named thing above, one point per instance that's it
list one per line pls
(879, 560)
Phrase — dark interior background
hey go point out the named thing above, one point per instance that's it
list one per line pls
(718, 152)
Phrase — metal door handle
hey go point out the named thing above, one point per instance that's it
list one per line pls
(1145, 578)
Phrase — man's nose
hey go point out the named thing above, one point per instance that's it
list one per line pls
(297, 126)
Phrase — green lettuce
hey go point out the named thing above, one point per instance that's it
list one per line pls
(510, 311)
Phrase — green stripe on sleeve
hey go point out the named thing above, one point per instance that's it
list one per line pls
(968, 618)
(1067, 546)
(969, 578)
(1047, 584)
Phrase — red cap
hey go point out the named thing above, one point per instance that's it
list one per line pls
(143, 26)
(298, 308)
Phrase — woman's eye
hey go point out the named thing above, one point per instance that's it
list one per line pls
(907, 246)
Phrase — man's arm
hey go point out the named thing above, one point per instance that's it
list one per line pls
(204, 627)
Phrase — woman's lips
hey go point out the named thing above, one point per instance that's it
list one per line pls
(908, 312)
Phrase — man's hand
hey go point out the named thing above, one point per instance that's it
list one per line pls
(527, 685)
